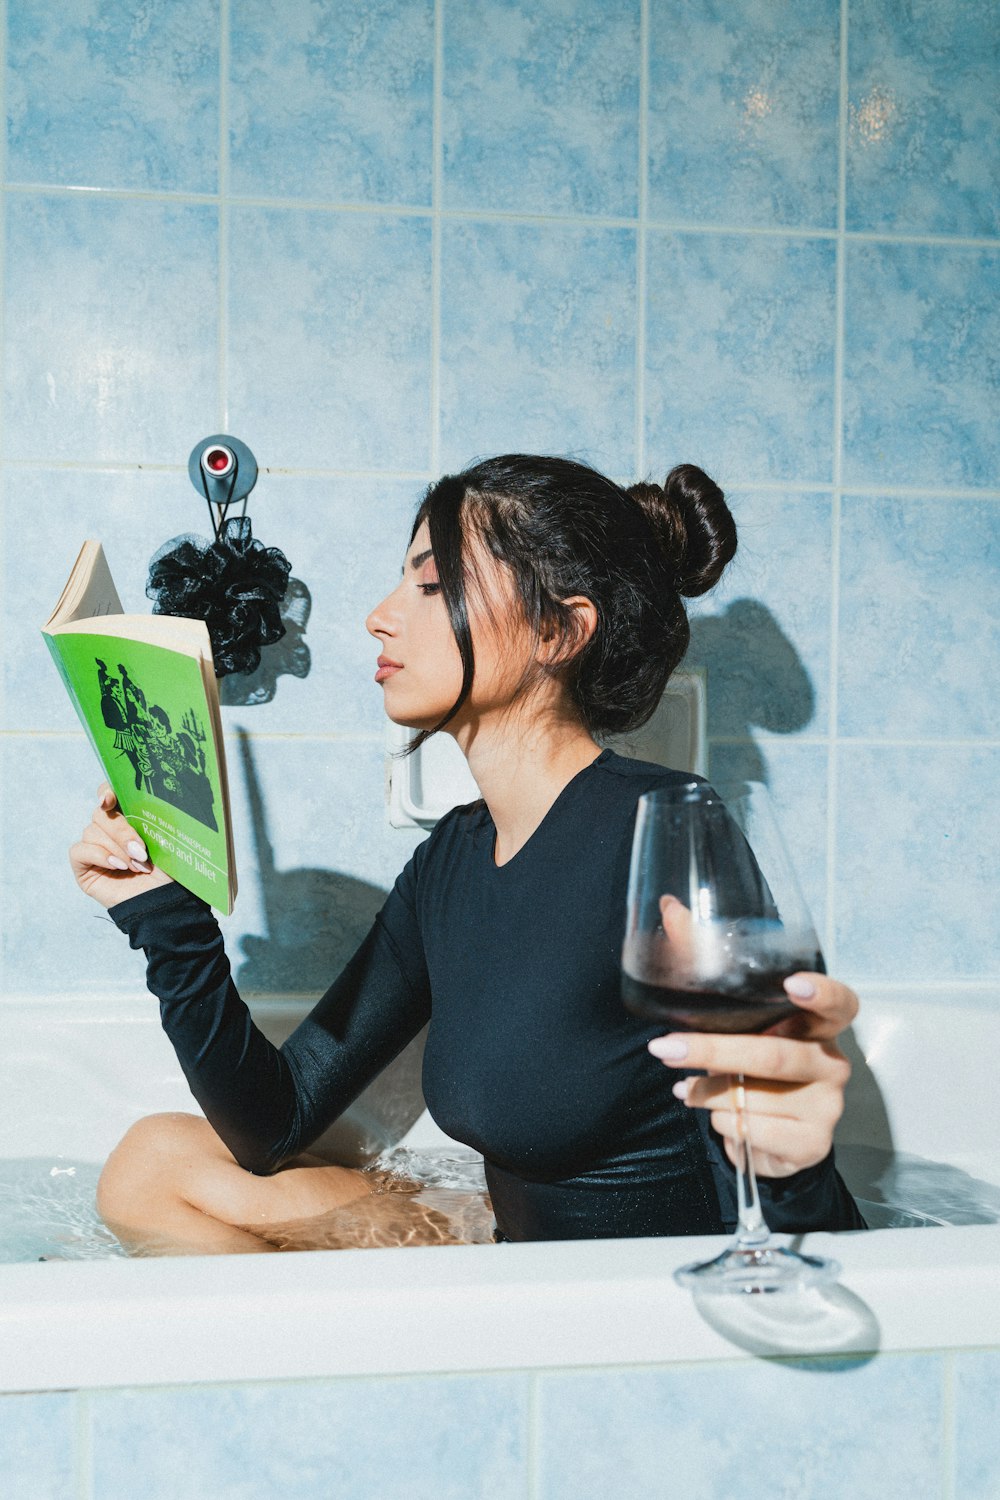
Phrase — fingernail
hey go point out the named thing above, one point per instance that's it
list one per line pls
(680, 1089)
(669, 1048)
(116, 863)
(141, 869)
(800, 987)
(137, 850)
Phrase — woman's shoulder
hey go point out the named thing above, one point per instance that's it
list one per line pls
(459, 823)
(637, 776)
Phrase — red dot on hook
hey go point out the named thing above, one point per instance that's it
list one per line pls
(218, 460)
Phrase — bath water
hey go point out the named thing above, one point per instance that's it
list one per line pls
(47, 1208)
(438, 1196)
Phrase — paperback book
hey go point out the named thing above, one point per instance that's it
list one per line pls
(145, 691)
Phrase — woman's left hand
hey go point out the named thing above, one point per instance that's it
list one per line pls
(794, 1077)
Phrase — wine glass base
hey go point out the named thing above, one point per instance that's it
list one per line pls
(757, 1268)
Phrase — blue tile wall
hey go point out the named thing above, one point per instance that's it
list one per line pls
(332, 102)
(921, 327)
(429, 1438)
(740, 335)
(917, 835)
(923, 100)
(765, 1432)
(114, 96)
(796, 1431)
(912, 636)
(538, 342)
(977, 1445)
(36, 1447)
(743, 111)
(329, 355)
(377, 240)
(541, 106)
(111, 316)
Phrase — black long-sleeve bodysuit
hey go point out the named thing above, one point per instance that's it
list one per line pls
(530, 1057)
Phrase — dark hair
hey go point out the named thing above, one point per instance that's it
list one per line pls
(563, 529)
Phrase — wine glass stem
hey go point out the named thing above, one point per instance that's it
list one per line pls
(751, 1229)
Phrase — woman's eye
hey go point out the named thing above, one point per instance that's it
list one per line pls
(429, 588)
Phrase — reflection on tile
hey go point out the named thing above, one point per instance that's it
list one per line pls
(36, 1447)
(332, 102)
(918, 830)
(430, 1438)
(796, 777)
(923, 101)
(739, 355)
(920, 334)
(111, 336)
(330, 338)
(977, 1443)
(538, 343)
(788, 1433)
(763, 633)
(743, 112)
(114, 96)
(541, 106)
(48, 514)
(918, 617)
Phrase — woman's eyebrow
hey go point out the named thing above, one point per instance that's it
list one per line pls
(419, 560)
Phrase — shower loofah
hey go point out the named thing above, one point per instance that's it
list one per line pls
(235, 584)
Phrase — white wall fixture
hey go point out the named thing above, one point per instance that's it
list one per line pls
(422, 787)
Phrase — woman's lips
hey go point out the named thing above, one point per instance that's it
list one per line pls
(386, 668)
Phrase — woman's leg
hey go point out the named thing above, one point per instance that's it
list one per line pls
(171, 1187)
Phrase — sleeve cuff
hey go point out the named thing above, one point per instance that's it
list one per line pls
(162, 898)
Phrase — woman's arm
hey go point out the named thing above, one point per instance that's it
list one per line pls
(266, 1103)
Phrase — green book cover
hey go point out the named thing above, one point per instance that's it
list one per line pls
(146, 712)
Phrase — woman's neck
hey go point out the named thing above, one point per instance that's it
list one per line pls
(521, 770)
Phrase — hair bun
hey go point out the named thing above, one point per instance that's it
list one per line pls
(693, 523)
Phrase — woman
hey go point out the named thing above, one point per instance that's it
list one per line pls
(540, 607)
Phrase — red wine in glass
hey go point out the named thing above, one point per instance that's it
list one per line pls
(715, 924)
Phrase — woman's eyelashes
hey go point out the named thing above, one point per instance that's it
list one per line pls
(429, 588)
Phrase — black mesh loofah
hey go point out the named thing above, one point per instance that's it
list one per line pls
(235, 584)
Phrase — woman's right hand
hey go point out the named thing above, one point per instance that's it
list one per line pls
(106, 863)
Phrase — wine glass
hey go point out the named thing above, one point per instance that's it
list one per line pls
(715, 923)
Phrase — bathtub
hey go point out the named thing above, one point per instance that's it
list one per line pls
(75, 1072)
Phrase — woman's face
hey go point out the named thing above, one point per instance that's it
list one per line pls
(420, 668)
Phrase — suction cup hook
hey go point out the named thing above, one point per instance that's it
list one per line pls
(223, 470)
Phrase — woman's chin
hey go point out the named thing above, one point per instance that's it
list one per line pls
(409, 720)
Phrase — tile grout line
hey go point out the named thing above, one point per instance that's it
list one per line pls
(833, 707)
(593, 221)
(437, 171)
(742, 487)
(222, 394)
(640, 246)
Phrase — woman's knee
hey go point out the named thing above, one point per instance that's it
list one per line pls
(149, 1159)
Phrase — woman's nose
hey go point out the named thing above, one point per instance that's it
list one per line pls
(377, 623)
